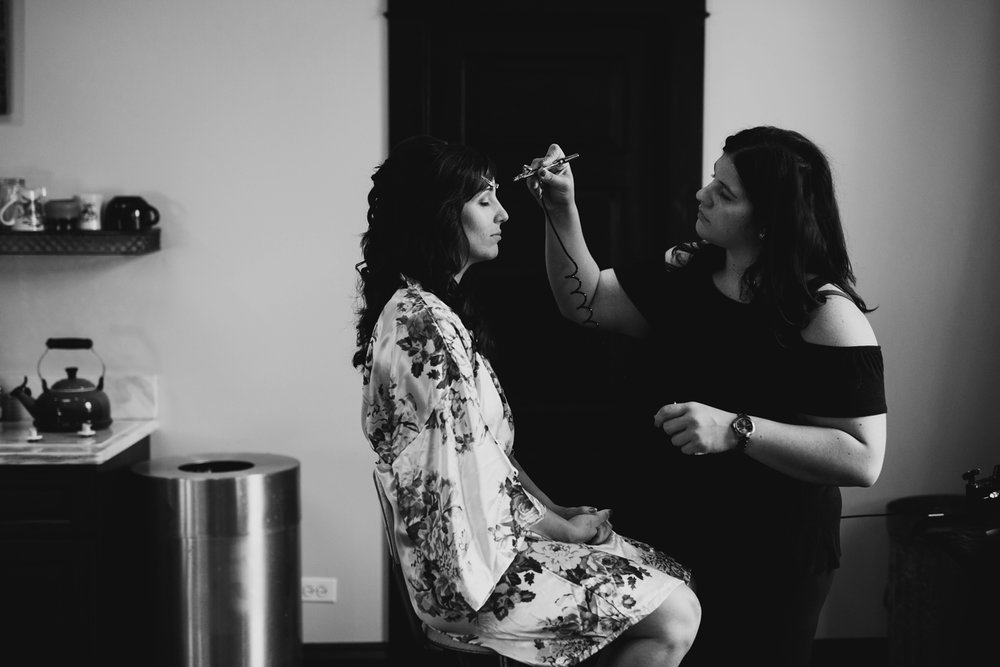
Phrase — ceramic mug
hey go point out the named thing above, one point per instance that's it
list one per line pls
(10, 200)
(130, 213)
(90, 211)
(30, 208)
(62, 215)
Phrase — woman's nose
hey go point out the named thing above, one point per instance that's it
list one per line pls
(702, 195)
(502, 216)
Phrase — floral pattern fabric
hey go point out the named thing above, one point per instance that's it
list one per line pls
(443, 433)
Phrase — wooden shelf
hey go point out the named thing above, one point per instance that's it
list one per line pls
(80, 243)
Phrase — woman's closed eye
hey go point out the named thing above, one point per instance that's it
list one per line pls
(724, 191)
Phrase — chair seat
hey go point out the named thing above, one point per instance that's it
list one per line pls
(442, 640)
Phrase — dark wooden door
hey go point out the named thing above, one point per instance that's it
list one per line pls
(621, 84)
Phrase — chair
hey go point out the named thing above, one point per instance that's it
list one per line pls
(426, 636)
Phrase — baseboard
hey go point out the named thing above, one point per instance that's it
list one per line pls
(345, 655)
(853, 651)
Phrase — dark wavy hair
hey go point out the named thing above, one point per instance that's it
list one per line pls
(415, 230)
(788, 181)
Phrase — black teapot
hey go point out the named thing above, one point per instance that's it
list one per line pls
(129, 213)
(70, 402)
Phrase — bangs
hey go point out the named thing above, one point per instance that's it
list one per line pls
(476, 172)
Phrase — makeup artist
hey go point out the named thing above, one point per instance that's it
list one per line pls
(769, 381)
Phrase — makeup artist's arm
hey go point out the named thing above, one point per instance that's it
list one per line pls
(598, 296)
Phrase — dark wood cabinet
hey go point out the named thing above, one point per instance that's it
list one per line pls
(621, 84)
(71, 588)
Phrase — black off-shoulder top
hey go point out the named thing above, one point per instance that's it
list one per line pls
(731, 339)
(711, 349)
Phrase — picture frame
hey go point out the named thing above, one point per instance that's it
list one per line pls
(4, 57)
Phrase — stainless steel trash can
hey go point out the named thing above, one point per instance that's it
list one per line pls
(225, 562)
(944, 582)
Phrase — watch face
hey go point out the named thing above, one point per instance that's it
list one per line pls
(743, 425)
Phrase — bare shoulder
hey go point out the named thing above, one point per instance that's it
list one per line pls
(839, 323)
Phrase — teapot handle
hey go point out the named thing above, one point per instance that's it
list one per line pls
(69, 344)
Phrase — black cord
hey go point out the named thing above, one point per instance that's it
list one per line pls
(572, 276)
(862, 516)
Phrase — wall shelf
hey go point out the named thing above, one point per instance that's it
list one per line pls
(80, 242)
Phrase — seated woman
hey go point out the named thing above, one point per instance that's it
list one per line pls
(488, 558)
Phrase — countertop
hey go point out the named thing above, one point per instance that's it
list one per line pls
(63, 448)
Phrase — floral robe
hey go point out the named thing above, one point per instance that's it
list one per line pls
(442, 431)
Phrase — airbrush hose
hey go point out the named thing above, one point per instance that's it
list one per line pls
(574, 275)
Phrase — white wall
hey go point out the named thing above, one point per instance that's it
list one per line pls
(253, 125)
(904, 97)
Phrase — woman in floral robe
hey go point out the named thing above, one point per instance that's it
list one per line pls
(487, 557)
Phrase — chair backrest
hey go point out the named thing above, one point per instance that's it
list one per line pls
(388, 522)
(421, 633)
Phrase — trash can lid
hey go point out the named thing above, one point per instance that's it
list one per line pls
(910, 515)
(222, 494)
(215, 465)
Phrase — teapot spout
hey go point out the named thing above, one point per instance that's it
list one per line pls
(23, 394)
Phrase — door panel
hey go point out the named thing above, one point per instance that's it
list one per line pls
(621, 84)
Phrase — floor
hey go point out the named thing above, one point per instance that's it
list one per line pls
(827, 653)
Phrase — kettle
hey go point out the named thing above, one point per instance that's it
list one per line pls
(70, 402)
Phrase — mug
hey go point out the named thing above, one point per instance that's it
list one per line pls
(10, 200)
(30, 209)
(130, 213)
(62, 215)
(90, 212)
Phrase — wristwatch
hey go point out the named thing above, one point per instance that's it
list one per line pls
(743, 427)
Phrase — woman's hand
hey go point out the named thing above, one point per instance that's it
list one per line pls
(570, 512)
(696, 428)
(555, 187)
(590, 528)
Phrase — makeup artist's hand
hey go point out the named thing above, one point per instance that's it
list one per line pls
(696, 428)
(555, 185)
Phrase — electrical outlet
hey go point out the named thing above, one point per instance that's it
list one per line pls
(319, 589)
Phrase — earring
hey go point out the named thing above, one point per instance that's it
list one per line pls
(761, 235)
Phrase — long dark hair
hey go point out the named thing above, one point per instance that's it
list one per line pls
(415, 230)
(788, 181)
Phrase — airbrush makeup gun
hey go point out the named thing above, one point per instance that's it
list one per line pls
(527, 171)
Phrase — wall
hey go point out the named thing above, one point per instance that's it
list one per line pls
(253, 125)
(904, 97)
